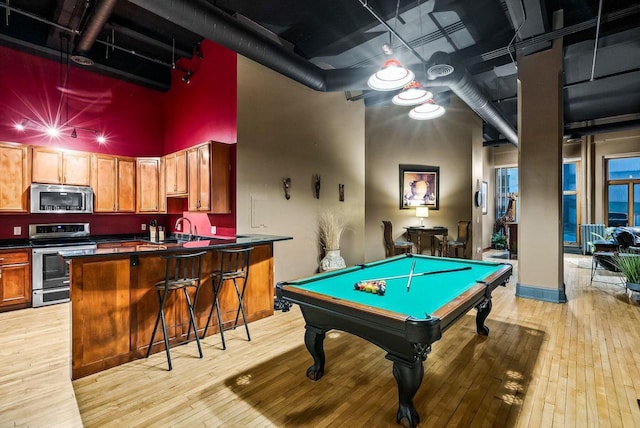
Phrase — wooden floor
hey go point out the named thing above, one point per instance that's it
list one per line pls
(543, 365)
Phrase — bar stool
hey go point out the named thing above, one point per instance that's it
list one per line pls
(234, 265)
(182, 272)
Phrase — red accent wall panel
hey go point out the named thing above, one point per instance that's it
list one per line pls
(206, 108)
(35, 88)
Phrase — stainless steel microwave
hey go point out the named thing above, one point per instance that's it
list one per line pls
(61, 199)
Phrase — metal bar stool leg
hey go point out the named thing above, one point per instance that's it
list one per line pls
(162, 297)
(241, 307)
(192, 321)
(216, 306)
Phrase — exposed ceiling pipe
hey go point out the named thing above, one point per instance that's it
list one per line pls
(212, 23)
(602, 128)
(215, 25)
(461, 83)
(96, 23)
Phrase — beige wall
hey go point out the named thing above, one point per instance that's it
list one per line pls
(288, 130)
(392, 139)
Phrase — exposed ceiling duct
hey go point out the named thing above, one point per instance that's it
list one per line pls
(102, 12)
(210, 22)
(443, 72)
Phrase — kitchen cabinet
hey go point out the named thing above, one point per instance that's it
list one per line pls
(14, 180)
(52, 166)
(114, 182)
(150, 189)
(176, 173)
(209, 174)
(15, 279)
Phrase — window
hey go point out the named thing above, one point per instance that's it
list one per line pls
(506, 183)
(570, 199)
(623, 192)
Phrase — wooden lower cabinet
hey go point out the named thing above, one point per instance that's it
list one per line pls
(15, 279)
(115, 304)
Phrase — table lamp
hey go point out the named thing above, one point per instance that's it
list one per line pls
(422, 212)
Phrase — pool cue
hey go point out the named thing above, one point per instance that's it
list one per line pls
(413, 266)
(418, 274)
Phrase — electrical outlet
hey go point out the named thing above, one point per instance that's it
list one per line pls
(143, 226)
(17, 230)
(213, 230)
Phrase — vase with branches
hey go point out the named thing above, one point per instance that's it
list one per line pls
(331, 227)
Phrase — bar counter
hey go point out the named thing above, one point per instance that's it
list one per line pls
(114, 303)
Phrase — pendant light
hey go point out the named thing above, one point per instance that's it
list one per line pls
(412, 94)
(426, 111)
(391, 76)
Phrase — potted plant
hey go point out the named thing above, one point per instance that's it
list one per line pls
(331, 226)
(629, 265)
(498, 241)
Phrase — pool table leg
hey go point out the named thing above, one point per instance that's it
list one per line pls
(409, 377)
(314, 340)
(483, 312)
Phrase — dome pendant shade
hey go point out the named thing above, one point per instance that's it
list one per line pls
(391, 76)
(412, 94)
(426, 111)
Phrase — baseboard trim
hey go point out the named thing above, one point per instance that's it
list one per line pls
(539, 293)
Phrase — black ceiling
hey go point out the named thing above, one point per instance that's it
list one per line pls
(333, 45)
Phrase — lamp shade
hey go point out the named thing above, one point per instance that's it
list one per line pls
(426, 111)
(412, 94)
(422, 212)
(391, 76)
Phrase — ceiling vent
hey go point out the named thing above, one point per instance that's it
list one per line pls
(82, 60)
(439, 70)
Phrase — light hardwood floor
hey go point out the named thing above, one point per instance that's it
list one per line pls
(543, 365)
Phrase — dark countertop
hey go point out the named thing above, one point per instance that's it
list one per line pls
(14, 244)
(202, 243)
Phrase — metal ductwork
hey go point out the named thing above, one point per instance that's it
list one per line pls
(99, 17)
(441, 71)
(212, 23)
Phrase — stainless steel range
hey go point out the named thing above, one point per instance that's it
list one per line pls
(50, 272)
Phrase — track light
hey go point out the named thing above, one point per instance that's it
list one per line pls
(22, 125)
(100, 138)
(187, 77)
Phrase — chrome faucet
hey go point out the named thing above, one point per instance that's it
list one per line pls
(181, 220)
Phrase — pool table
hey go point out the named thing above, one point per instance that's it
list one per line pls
(412, 313)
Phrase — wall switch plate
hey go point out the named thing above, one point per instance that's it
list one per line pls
(213, 230)
(143, 226)
(17, 230)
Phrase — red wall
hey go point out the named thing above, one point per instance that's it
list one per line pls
(30, 87)
(206, 108)
(137, 121)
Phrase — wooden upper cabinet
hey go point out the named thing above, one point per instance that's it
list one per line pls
(209, 178)
(176, 172)
(199, 178)
(113, 181)
(52, 166)
(14, 178)
(221, 178)
(149, 189)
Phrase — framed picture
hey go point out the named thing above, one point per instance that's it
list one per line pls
(419, 186)
(484, 192)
